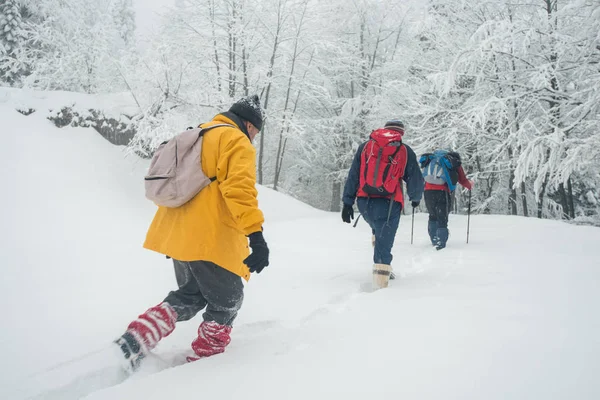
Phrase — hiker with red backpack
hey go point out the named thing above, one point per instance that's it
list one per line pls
(442, 170)
(375, 178)
(207, 235)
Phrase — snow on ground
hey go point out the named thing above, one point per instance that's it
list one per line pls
(513, 314)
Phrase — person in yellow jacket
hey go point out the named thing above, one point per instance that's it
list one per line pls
(207, 238)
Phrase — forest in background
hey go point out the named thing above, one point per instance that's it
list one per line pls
(514, 86)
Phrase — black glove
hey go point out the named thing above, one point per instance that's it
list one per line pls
(347, 213)
(259, 259)
(415, 204)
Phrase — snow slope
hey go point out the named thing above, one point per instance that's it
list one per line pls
(513, 314)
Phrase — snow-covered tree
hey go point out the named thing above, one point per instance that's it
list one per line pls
(514, 86)
(124, 19)
(10, 25)
(11, 35)
(72, 45)
(357, 61)
(506, 78)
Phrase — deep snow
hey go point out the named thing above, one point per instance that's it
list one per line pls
(513, 314)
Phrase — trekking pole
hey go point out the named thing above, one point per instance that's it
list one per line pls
(469, 216)
(356, 222)
(412, 229)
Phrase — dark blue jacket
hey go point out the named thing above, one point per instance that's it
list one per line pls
(412, 176)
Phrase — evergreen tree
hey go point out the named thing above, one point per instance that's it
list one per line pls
(10, 33)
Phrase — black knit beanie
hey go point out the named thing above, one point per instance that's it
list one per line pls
(248, 108)
(395, 124)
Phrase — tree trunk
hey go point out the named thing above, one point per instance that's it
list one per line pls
(245, 69)
(232, 48)
(541, 196)
(488, 190)
(244, 55)
(570, 199)
(280, 155)
(211, 6)
(285, 118)
(563, 201)
(512, 197)
(554, 103)
(524, 200)
(336, 196)
(276, 40)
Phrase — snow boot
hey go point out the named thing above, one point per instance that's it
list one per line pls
(442, 234)
(131, 349)
(392, 275)
(432, 230)
(381, 275)
(144, 333)
(212, 339)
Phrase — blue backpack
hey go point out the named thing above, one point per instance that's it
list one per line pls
(441, 167)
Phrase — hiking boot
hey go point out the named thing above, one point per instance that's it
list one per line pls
(131, 351)
(144, 333)
(381, 275)
(432, 231)
(442, 234)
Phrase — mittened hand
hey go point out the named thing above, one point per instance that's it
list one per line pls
(347, 213)
(259, 259)
(472, 183)
(415, 204)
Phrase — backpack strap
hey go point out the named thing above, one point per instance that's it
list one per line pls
(208, 128)
(425, 159)
(393, 156)
(203, 131)
(390, 207)
(377, 165)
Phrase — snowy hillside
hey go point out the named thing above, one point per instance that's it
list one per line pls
(511, 315)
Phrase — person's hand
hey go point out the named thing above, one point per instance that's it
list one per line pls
(259, 259)
(347, 213)
(415, 204)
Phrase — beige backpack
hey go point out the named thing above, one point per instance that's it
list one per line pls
(175, 175)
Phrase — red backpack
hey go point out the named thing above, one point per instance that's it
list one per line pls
(382, 164)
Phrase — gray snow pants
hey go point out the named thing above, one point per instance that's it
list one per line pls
(204, 284)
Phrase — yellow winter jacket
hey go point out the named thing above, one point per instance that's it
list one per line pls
(213, 225)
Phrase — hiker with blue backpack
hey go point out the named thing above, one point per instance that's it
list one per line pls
(442, 171)
(203, 181)
(375, 178)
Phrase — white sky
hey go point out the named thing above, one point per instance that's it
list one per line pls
(148, 13)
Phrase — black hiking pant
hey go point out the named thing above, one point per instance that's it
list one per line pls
(205, 284)
(439, 204)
